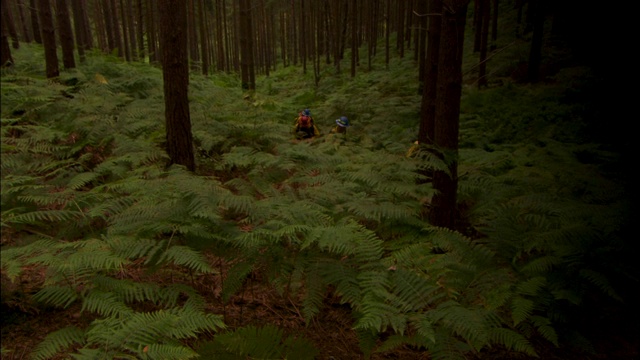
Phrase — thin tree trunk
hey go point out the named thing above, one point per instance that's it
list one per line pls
(203, 38)
(35, 22)
(426, 132)
(484, 42)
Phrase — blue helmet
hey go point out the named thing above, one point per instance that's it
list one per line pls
(343, 121)
(306, 112)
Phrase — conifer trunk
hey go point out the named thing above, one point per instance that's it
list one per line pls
(175, 73)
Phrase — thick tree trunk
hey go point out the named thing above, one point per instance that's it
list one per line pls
(9, 24)
(175, 73)
(443, 212)
(65, 34)
(5, 51)
(48, 38)
(28, 36)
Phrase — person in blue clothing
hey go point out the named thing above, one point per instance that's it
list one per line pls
(341, 125)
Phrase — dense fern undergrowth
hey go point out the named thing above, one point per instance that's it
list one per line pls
(539, 257)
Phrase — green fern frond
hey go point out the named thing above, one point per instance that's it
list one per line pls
(545, 328)
(105, 304)
(35, 217)
(185, 256)
(315, 290)
(521, 309)
(512, 340)
(266, 342)
(61, 296)
(235, 279)
(58, 341)
(600, 281)
(167, 352)
(412, 290)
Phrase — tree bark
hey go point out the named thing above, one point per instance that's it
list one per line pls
(9, 24)
(48, 38)
(5, 52)
(426, 132)
(535, 54)
(485, 14)
(443, 212)
(35, 23)
(65, 34)
(175, 74)
(28, 36)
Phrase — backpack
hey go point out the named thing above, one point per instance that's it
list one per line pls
(304, 121)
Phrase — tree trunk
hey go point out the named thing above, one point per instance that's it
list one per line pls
(78, 25)
(48, 38)
(9, 24)
(28, 36)
(65, 34)
(151, 33)
(204, 34)
(175, 74)
(485, 14)
(5, 51)
(35, 23)
(443, 211)
(117, 34)
(535, 54)
(426, 132)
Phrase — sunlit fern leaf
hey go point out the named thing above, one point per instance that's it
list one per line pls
(58, 341)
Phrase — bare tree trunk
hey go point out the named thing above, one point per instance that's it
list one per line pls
(78, 25)
(28, 36)
(203, 38)
(426, 132)
(5, 52)
(48, 38)
(175, 74)
(485, 14)
(65, 34)
(8, 21)
(444, 203)
(151, 33)
(35, 23)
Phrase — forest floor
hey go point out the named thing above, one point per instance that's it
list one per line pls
(24, 324)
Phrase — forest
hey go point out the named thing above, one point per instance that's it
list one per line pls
(156, 203)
